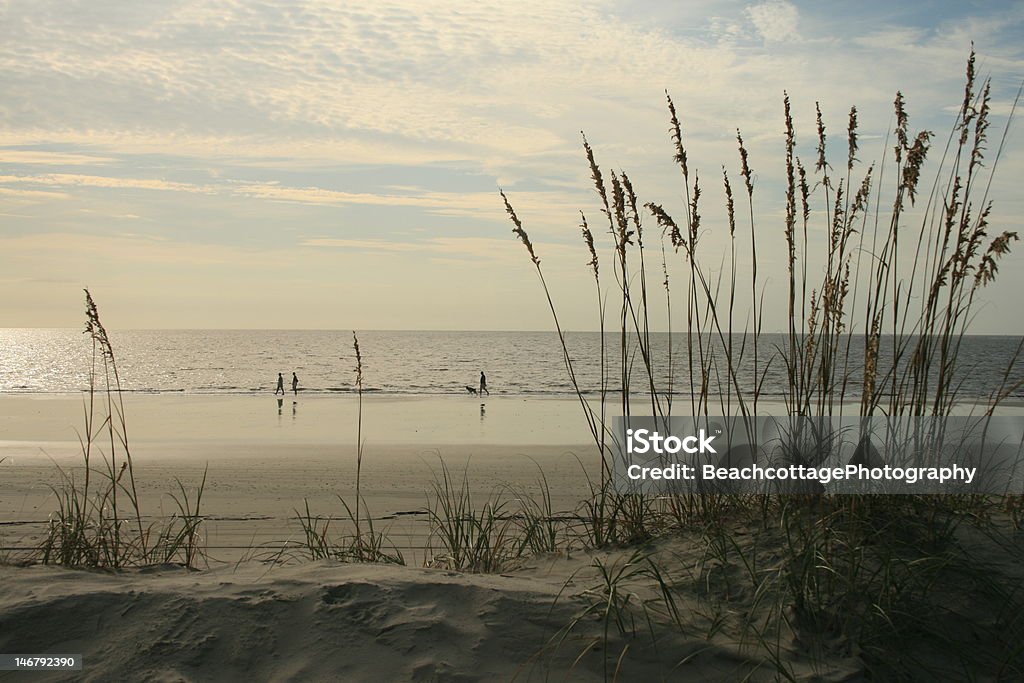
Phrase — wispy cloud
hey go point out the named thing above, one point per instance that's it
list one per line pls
(17, 194)
(79, 180)
(228, 126)
(454, 248)
(481, 205)
(44, 158)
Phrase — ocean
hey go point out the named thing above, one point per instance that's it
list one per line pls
(412, 362)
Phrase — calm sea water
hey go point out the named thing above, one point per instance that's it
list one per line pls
(413, 363)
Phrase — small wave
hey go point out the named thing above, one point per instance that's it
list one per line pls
(148, 390)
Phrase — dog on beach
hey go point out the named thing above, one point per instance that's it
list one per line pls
(471, 390)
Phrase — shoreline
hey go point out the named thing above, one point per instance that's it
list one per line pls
(325, 420)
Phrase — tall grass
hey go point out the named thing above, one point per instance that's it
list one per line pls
(99, 522)
(907, 304)
(472, 538)
(359, 429)
(875, 321)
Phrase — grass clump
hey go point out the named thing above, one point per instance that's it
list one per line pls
(471, 538)
(367, 545)
(99, 522)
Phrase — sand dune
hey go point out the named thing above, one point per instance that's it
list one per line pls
(325, 621)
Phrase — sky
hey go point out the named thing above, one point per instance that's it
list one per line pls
(336, 165)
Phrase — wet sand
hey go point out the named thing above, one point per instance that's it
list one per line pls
(262, 466)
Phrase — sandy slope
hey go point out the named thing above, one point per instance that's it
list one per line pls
(317, 622)
(326, 621)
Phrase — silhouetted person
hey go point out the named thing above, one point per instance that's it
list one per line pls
(483, 385)
(295, 384)
(280, 384)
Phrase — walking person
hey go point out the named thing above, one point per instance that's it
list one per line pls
(483, 384)
(280, 384)
(295, 384)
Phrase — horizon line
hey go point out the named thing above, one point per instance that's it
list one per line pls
(386, 329)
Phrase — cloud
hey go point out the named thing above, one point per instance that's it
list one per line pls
(502, 87)
(454, 249)
(81, 180)
(487, 81)
(70, 247)
(268, 123)
(363, 245)
(31, 196)
(478, 205)
(44, 158)
(775, 20)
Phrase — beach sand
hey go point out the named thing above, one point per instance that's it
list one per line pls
(262, 467)
(256, 611)
(325, 621)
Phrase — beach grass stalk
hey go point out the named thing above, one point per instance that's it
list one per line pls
(359, 431)
(98, 520)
